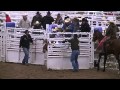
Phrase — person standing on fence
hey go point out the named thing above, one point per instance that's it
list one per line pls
(24, 23)
(59, 19)
(7, 18)
(36, 21)
(76, 25)
(85, 27)
(75, 52)
(25, 41)
(68, 25)
(48, 19)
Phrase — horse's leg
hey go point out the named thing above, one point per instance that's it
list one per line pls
(105, 58)
(105, 55)
(98, 64)
(118, 60)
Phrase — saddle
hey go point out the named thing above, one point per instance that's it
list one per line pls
(100, 45)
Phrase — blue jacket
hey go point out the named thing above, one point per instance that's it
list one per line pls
(69, 27)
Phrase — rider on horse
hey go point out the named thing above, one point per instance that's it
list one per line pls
(110, 33)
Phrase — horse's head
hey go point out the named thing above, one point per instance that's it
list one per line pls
(97, 36)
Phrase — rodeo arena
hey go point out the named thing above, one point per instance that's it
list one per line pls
(59, 44)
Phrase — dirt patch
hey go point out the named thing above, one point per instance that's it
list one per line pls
(19, 71)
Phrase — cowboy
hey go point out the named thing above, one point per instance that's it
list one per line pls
(111, 30)
(48, 19)
(85, 27)
(76, 25)
(59, 19)
(24, 23)
(75, 52)
(25, 41)
(68, 25)
(110, 34)
(36, 21)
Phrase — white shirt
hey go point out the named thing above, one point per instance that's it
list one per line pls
(24, 24)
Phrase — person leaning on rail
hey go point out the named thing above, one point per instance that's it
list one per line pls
(25, 41)
(75, 52)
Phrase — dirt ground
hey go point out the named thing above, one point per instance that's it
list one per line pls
(19, 71)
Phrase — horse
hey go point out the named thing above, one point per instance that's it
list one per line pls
(112, 46)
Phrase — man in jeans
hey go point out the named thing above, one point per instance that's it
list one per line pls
(25, 41)
(75, 52)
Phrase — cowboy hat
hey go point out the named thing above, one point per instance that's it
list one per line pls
(67, 20)
(37, 22)
(48, 12)
(24, 14)
(110, 22)
(84, 19)
(38, 12)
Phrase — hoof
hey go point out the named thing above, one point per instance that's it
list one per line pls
(97, 69)
(49, 69)
(103, 70)
(118, 72)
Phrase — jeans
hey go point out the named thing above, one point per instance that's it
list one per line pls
(74, 59)
(26, 57)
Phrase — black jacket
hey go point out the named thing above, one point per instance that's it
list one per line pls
(25, 41)
(37, 26)
(74, 44)
(47, 20)
(36, 18)
(85, 27)
(111, 31)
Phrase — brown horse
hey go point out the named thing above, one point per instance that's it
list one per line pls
(112, 46)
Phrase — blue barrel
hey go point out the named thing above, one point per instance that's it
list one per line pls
(98, 28)
(10, 24)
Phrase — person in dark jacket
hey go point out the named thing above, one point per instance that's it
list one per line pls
(85, 27)
(75, 52)
(25, 41)
(112, 29)
(76, 24)
(48, 19)
(36, 18)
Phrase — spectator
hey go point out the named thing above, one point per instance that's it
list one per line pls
(48, 19)
(8, 18)
(59, 20)
(68, 25)
(112, 29)
(24, 23)
(76, 25)
(25, 41)
(85, 27)
(66, 17)
(36, 21)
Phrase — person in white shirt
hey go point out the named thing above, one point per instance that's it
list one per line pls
(24, 23)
